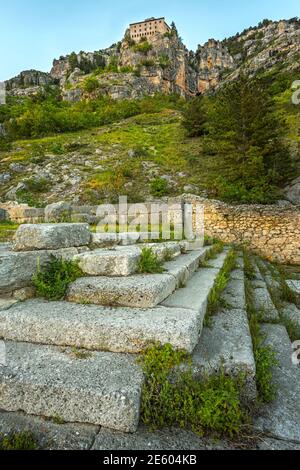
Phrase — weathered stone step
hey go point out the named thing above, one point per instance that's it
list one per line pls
(261, 297)
(227, 344)
(121, 261)
(281, 418)
(17, 268)
(139, 290)
(195, 294)
(103, 389)
(294, 285)
(93, 327)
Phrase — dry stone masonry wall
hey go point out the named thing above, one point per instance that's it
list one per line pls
(272, 231)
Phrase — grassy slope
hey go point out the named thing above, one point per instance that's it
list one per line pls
(103, 159)
(122, 158)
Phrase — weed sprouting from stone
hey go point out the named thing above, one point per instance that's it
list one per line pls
(18, 441)
(173, 397)
(222, 279)
(149, 262)
(52, 281)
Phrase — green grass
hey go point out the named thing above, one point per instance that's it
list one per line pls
(149, 263)
(18, 441)
(52, 281)
(7, 231)
(215, 300)
(172, 397)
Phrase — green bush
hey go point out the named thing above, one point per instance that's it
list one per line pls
(26, 197)
(90, 84)
(164, 61)
(52, 281)
(143, 47)
(159, 187)
(147, 62)
(18, 441)
(57, 149)
(149, 263)
(172, 397)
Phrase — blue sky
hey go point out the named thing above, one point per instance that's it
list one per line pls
(34, 32)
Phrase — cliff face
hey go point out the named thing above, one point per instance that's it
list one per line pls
(129, 70)
(28, 83)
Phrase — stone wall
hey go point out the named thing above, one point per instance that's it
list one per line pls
(271, 231)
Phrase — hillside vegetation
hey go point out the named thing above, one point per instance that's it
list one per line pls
(240, 143)
(93, 151)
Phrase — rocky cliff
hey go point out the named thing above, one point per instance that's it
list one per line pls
(165, 65)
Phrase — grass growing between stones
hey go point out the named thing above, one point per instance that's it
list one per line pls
(149, 263)
(52, 281)
(222, 279)
(280, 297)
(7, 230)
(18, 441)
(265, 357)
(172, 397)
(216, 248)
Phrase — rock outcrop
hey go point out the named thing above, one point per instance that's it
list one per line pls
(167, 66)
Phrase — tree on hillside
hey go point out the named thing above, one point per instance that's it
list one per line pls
(195, 117)
(174, 30)
(247, 136)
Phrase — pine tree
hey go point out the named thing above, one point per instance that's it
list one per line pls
(195, 117)
(247, 136)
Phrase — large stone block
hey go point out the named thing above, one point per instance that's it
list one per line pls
(142, 291)
(109, 262)
(121, 329)
(51, 236)
(17, 268)
(103, 389)
(58, 212)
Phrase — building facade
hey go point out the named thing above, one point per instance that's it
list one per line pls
(148, 28)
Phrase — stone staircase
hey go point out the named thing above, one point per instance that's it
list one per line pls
(77, 359)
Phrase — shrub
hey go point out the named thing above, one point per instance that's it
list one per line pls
(149, 263)
(143, 47)
(159, 187)
(57, 149)
(90, 84)
(147, 63)
(52, 281)
(18, 441)
(26, 197)
(172, 397)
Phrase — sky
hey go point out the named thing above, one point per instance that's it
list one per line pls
(34, 32)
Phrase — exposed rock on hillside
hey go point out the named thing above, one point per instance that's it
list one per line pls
(164, 64)
(28, 83)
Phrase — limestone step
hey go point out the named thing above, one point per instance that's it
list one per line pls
(103, 389)
(281, 418)
(294, 285)
(17, 268)
(227, 344)
(261, 297)
(139, 290)
(121, 261)
(93, 327)
(195, 294)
